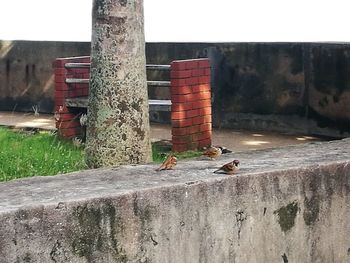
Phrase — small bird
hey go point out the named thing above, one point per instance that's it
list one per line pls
(225, 150)
(229, 168)
(169, 163)
(213, 152)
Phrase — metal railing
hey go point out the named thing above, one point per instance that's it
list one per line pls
(87, 65)
(82, 102)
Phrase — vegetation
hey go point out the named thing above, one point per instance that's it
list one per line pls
(26, 154)
(161, 150)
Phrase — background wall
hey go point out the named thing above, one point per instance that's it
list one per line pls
(26, 73)
(289, 87)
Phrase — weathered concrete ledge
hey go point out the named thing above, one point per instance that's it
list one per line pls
(286, 205)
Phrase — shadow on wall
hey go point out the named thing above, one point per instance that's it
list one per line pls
(26, 78)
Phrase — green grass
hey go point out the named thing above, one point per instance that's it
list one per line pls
(160, 151)
(23, 154)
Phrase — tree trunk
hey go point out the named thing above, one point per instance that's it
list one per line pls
(118, 129)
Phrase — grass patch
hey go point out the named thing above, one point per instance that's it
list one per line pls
(161, 149)
(23, 154)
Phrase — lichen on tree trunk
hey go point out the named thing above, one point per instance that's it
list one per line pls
(118, 129)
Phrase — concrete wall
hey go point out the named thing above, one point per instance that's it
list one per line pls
(298, 87)
(26, 73)
(285, 205)
(289, 87)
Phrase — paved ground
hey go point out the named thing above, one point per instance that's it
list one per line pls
(236, 140)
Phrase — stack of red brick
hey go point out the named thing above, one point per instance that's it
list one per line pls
(191, 117)
(67, 121)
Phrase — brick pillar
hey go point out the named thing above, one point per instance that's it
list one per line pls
(191, 104)
(67, 122)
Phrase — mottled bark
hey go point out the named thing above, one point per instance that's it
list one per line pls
(118, 122)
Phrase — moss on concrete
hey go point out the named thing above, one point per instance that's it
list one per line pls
(96, 228)
(286, 215)
(312, 209)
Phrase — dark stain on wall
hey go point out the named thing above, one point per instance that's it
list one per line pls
(286, 216)
(331, 68)
(26, 73)
(312, 209)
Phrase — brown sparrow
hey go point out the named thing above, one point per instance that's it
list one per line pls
(169, 163)
(229, 168)
(213, 152)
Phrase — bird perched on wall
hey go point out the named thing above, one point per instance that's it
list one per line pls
(213, 152)
(225, 150)
(229, 168)
(169, 163)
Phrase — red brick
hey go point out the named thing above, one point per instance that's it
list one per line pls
(82, 70)
(202, 96)
(205, 111)
(204, 79)
(198, 72)
(201, 119)
(67, 124)
(67, 116)
(181, 106)
(60, 93)
(60, 100)
(204, 63)
(180, 74)
(192, 81)
(207, 71)
(178, 115)
(86, 75)
(201, 88)
(60, 71)
(179, 147)
(79, 92)
(69, 133)
(193, 145)
(85, 92)
(177, 98)
(178, 65)
(191, 113)
(60, 79)
(193, 129)
(191, 64)
(205, 95)
(201, 136)
(181, 90)
(181, 139)
(179, 131)
(178, 82)
(207, 118)
(181, 123)
(75, 93)
(84, 86)
(201, 104)
(59, 63)
(205, 127)
(204, 143)
(182, 98)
